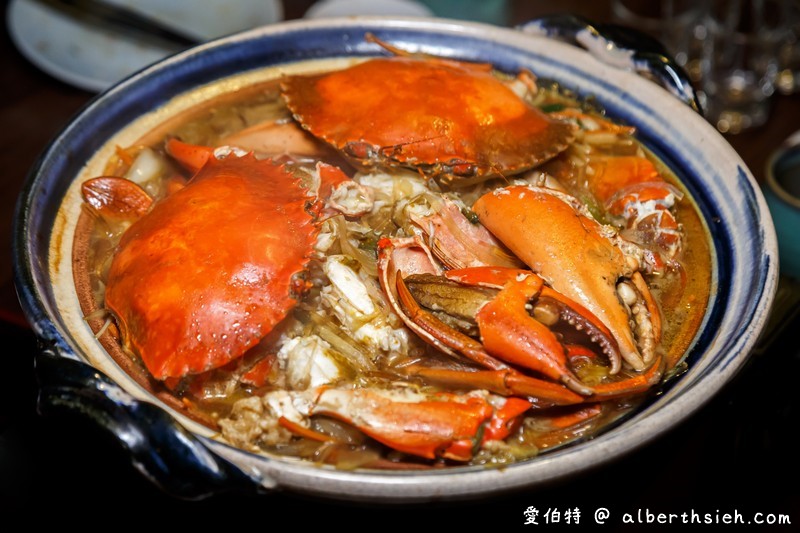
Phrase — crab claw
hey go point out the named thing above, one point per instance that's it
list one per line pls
(525, 339)
(580, 259)
(509, 334)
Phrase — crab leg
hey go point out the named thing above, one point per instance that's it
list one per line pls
(191, 156)
(428, 425)
(447, 426)
(276, 138)
(514, 330)
(508, 328)
(501, 379)
(552, 305)
(399, 257)
(560, 427)
(507, 382)
(638, 383)
(505, 419)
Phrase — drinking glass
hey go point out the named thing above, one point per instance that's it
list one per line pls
(740, 61)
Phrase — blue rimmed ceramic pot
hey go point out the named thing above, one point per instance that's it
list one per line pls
(183, 456)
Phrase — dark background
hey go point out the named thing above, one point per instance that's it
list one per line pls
(738, 453)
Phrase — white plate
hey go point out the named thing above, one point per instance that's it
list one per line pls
(92, 58)
(344, 8)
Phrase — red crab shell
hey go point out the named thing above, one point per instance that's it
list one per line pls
(451, 120)
(210, 270)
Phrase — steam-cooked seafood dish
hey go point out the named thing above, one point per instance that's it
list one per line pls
(405, 262)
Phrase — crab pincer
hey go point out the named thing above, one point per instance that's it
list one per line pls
(580, 259)
(514, 315)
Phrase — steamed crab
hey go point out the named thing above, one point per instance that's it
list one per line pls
(455, 121)
(200, 276)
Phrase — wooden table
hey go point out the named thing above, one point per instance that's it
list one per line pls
(726, 447)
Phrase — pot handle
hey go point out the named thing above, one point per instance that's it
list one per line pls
(166, 453)
(622, 47)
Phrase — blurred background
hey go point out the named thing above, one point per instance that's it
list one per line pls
(742, 57)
